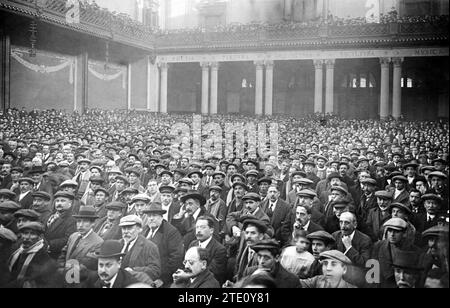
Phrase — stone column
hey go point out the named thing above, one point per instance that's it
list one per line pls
(329, 96)
(269, 88)
(129, 86)
(318, 86)
(397, 88)
(205, 87)
(214, 86)
(85, 82)
(384, 88)
(152, 86)
(259, 88)
(5, 64)
(163, 100)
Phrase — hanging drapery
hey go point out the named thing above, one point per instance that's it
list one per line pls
(20, 54)
(116, 72)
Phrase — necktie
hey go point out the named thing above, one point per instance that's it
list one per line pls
(106, 285)
(52, 219)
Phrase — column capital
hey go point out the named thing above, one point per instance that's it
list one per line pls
(163, 65)
(259, 64)
(385, 61)
(330, 63)
(318, 64)
(215, 65)
(204, 65)
(397, 61)
(269, 64)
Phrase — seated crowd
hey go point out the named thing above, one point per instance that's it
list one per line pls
(102, 200)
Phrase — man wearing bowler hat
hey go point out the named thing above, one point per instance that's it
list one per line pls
(109, 268)
(108, 227)
(25, 197)
(83, 243)
(60, 224)
(167, 238)
(142, 258)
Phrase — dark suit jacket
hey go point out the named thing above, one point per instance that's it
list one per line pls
(173, 210)
(205, 280)
(57, 234)
(27, 201)
(313, 227)
(46, 187)
(81, 252)
(280, 219)
(186, 226)
(171, 249)
(375, 223)
(143, 257)
(283, 278)
(114, 233)
(217, 261)
(123, 280)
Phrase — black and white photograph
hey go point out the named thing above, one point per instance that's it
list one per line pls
(224, 145)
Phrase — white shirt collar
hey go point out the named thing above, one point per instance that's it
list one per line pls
(305, 227)
(196, 214)
(112, 281)
(205, 243)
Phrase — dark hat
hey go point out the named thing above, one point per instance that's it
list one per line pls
(133, 170)
(160, 166)
(166, 189)
(250, 161)
(122, 178)
(397, 154)
(414, 165)
(404, 207)
(17, 169)
(439, 160)
(339, 188)
(10, 206)
(36, 169)
(180, 171)
(252, 196)
(334, 175)
(383, 194)
(265, 180)
(155, 207)
(216, 188)
(156, 160)
(195, 196)
(340, 203)
(321, 157)
(87, 212)
(309, 193)
(361, 159)
(7, 234)
(101, 189)
(115, 205)
(322, 236)
(408, 260)
(432, 197)
(400, 178)
(437, 230)
(31, 214)
(110, 249)
(269, 244)
(239, 184)
(63, 194)
(96, 179)
(197, 171)
(186, 181)
(6, 192)
(166, 172)
(260, 225)
(238, 175)
(133, 155)
(33, 225)
(99, 168)
(26, 179)
(430, 168)
(252, 173)
(209, 165)
(369, 181)
(300, 173)
(335, 255)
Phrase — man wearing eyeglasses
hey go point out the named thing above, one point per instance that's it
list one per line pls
(195, 273)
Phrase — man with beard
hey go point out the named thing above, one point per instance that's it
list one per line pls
(407, 270)
(353, 244)
(216, 206)
(61, 224)
(109, 269)
(217, 260)
(321, 241)
(30, 265)
(25, 197)
(42, 205)
(384, 251)
(101, 196)
(169, 242)
(379, 215)
(108, 227)
(268, 256)
(141, 258)
(195, 274)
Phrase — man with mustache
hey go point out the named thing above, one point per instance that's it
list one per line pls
(432, 204)
(109, 268)
(195, 273)
(61, 224)
(407, 269)
(30, 265)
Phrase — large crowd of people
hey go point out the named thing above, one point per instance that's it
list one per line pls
(105, 200)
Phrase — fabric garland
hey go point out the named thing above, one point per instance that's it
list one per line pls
(108, 77)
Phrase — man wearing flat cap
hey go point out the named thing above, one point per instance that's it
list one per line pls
(141, 258)
(385, 250)
(216, 206)
(42, 205)
(7, 195)
(438, 186)
(109, 269)
(30, 265)
(167, 238)
(432, 204)
(306, 197)
(334, 266)
(108, 227)
(24, 216)
(321, 241)
(60, 224)
(169, 203)
(82, 176)
(368, 199)
(25, 197)
(71, 187)
(82, 244)
(268, 255)
(219, 180)
(379, 215)
(401, 194)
